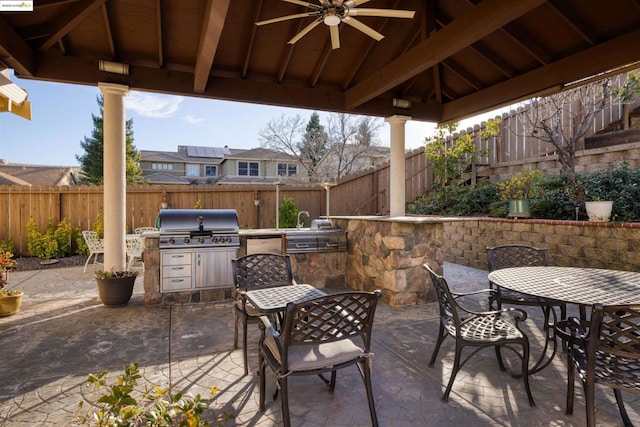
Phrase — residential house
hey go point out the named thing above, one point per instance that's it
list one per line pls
(22, 174)
(213, 165)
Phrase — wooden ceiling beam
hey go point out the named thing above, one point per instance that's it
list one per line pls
(160, 32)
(214, 19)
(61, 69)
(107, 29)
(69, 19)
(252, 39)
(570, 18)
(524, 41)
(466, 76)
(470, 27)
(14, 51)
(550, 78)
(288, 53)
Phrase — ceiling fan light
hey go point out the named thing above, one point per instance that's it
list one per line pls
(331, 19)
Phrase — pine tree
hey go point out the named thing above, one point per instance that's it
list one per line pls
(92, 161)
(313, 145)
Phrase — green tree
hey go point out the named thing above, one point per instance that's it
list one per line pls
(92, 161)
(313, 145)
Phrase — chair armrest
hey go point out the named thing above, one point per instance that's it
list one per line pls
(516, 313)
(573, 330)
(267, 327)
(492, 292)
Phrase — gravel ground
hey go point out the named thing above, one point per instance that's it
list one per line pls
(32, 263)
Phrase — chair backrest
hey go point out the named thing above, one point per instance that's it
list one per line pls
(328, 318)
(260, 270)
(135, 246)
(446, 302)
(95, 244)
(617, 334)
(141, 230)
(515, 256)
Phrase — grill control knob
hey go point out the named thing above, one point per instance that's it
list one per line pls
(171, 240)
(186, 240)
(200, 240)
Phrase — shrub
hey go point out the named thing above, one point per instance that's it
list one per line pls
(7, 245)
(157, 406)
(520, 186)
(55, 242)
(288, 214)
(457, 200)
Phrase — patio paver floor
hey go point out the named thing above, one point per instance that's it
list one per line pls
(63, 334)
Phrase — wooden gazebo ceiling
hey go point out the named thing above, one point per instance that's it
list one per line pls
(454, 59)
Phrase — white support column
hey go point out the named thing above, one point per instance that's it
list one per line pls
(115, 187)
(397, 166)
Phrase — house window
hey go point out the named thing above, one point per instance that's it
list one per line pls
(162, 166)
(192, 170)
(210, 171)
(287, 169)
(248, 169)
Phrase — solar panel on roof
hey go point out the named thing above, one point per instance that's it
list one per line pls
(210, 152)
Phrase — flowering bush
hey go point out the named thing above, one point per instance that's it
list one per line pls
(520, 186)
(6, 264)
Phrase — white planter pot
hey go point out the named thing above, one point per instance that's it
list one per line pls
(598, 211)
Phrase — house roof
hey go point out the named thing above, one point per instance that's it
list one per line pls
(165, 178)
(453, 59)
(261, 153)
(21, 174)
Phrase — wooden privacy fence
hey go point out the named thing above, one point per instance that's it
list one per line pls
(81, 205)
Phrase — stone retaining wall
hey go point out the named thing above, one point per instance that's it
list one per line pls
(570, 243)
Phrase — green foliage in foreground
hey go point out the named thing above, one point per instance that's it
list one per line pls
(157, 406)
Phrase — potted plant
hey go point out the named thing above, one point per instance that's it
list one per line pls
(518, 189)
(10, 299)
(597, 190)
(115, 287)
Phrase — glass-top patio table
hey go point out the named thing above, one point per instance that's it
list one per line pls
(573, 285)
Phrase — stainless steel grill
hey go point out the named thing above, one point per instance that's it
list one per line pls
(316, 240)
(198, 228)
(196, 248)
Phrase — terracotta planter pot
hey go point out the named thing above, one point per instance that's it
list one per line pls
(10, 304)
(115, 292)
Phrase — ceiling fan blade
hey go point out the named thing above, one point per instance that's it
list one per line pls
(304, 3)
(363, 27)
(335, 37)
(354, 3)
(286, 18)
(385, 13)
(304, 31)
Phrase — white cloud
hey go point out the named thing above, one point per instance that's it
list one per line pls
(153, 105)
(193, 120)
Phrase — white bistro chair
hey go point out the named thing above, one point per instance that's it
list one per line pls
(95, 245)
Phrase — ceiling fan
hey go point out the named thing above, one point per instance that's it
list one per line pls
(333, 12)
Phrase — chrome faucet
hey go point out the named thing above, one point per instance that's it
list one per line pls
(300, 223)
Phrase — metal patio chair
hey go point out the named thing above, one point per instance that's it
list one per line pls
(95, 246)
(608, 354)
(506, 256)
(320, 335)
(255, 271)
(477, 329)
(134, 251)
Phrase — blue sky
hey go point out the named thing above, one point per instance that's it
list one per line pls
(61, 118)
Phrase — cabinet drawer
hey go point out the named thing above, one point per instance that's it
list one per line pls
(176, 283)
(176, 258)
(176, 270)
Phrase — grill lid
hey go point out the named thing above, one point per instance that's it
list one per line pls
(198, 222)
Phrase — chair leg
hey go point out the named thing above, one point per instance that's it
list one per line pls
(235, 332)
(525, 372)
(87, 262)
(590, 403)
(499, 357)
(332, 382)
(442, 334)
(623, 411)
(262, 381)
(365, 368)
(570, 386)
(244, 344)
(284, 401)
(454, 372)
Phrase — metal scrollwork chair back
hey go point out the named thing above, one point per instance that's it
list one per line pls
(320, 335)
(255, 271)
